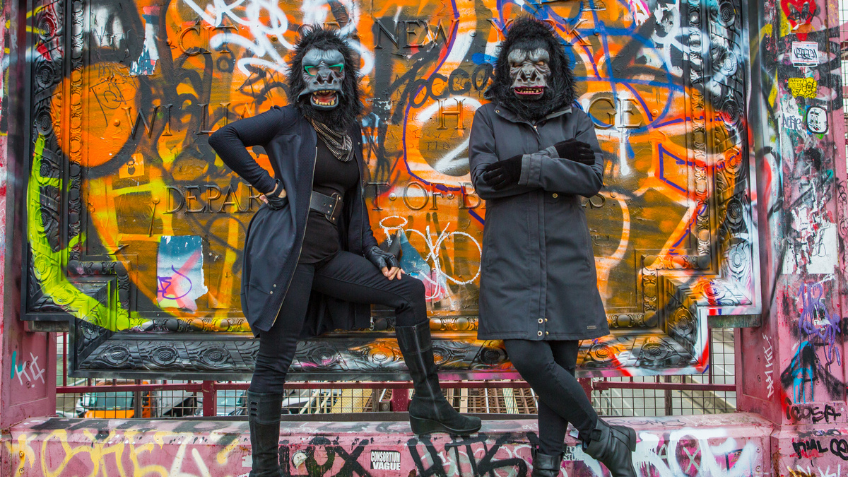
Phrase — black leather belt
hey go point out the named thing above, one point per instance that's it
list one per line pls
(329, 205)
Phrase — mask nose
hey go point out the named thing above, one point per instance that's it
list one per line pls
(528, 73)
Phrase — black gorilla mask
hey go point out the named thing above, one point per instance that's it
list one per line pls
(322, 79)
(532, 74)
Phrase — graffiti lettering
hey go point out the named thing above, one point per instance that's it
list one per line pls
(21, 371)
(813, 412)
(769, 354)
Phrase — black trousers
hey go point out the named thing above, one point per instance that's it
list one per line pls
(346, 276)
(548, 366)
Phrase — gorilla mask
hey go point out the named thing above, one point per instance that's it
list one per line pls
(323, 73)
(529, 71)
(322, 79)
(532, 74)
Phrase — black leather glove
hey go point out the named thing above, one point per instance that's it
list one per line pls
(381, 259)
(275, 202)
(576, 151)
(504, 173)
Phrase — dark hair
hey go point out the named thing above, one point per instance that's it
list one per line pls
(530, 33)
(350, 106)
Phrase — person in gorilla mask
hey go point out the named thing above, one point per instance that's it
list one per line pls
(533, 154)
(311, 263)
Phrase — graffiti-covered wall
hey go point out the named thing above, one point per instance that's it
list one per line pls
(135, 228)
(794, 370)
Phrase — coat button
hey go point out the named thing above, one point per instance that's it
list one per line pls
(541, 320)
(547, 333)
(554, 195)
(540, 333)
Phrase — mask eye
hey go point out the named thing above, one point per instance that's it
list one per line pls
(540, 63)
(311, 70)
(338, 68)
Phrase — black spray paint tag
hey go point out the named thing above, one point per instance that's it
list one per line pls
(385, 460)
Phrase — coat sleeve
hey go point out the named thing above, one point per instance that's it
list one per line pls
(481, 153)
(546, 170)
(231, 142)
(368, 239)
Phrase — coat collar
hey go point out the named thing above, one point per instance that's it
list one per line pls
(507, 114)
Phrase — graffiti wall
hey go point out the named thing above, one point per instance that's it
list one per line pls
(794, 364)
(668, 447)
(135, 228)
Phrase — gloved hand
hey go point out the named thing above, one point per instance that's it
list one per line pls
(504, 173)
(386, 262)
(276, 199)
(576, 151)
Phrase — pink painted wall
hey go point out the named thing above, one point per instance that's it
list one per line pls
(731, 445)
(792, 370)
(27, 360)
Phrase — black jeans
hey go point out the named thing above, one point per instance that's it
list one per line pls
(346, 276)
(548, 366)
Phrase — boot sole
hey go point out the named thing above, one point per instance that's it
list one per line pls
(422, 426)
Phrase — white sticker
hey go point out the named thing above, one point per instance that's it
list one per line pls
(385, 460)
(805, 53)
(817, 120)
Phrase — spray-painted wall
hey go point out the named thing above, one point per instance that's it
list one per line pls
(792, 369)
(135, 228)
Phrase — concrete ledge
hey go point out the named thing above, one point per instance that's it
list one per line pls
(727, 444)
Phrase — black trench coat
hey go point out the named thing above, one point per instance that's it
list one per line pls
(538, 280)
(275, 237)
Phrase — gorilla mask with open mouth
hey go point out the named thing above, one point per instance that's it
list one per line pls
(323, 79)
(532, 74)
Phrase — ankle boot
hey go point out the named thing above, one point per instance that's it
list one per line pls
(263, 417)
(546, 465)
(613, 447)
(429, 411)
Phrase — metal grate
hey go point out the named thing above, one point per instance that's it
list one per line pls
(629, 402)
(611, 396)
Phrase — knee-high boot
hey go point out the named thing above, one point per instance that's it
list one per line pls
(263, 417)
(429, 411)
(613, 446)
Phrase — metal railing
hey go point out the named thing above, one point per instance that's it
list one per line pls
(711, 392)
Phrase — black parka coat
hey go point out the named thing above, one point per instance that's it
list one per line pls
(275, 237)
(538, 280)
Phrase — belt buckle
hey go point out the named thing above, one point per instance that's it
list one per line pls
(333, 214)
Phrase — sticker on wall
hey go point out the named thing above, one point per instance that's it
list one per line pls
(145, 65)
(179, 272)
(385, 460)
(803, 87)
(805, 53)
(817, 120)
(134, 167)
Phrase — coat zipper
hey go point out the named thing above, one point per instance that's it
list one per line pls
(303, 237)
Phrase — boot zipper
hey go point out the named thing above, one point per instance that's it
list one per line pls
(303, 237)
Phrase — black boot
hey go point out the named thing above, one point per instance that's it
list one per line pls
(263, 417)
(546, 465)
(429, 411)
(613, 447)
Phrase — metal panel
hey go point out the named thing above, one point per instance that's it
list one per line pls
(135, 228)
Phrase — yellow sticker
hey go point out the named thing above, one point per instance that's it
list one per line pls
(803, 87)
